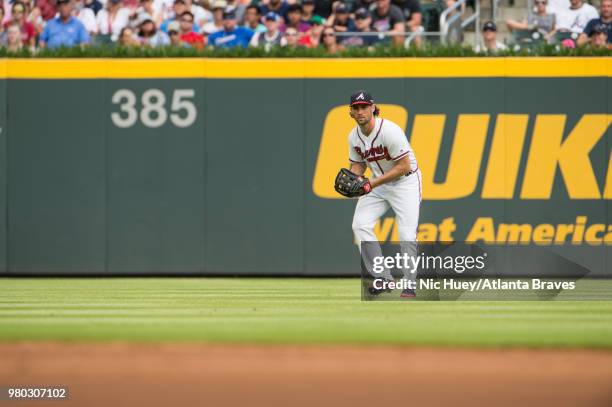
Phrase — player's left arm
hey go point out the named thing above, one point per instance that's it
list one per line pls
(401, 168)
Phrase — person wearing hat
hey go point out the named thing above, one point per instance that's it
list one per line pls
(363, 21)
(280, 7)
(252, 19)
(112, 19)
(294, 19)
(605, 19)
(231, 36)
(272, 37)
(308, 14)
(382, 146)
(218, 6)
(599, 37)
(340, 20)
(64, 30)
(489, 39)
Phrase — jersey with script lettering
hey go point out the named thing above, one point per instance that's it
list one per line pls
(380, 149)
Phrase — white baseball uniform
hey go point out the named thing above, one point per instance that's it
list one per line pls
(379, 150)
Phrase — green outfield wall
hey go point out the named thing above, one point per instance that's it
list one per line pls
(227, 166)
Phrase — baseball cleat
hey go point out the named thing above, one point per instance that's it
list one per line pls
(376, 291)
(408, 293)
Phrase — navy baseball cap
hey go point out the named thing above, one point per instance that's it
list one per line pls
(341, 9)
(362, 13)
(229, 14)
(361, 97)
(272, 16)
(489, 26)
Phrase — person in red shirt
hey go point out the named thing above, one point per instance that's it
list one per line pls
(47, 9)
(18, 16)
(188, 36)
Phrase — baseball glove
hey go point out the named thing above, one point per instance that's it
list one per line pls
(351, 185)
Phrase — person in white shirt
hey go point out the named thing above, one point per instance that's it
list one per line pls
(554, 5)
(382, 146)
(112, 19)
(272, 36)
(489, 38)
(217, 24)
(86, 16)
(201, 16)
(576, 17)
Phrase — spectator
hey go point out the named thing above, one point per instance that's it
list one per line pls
(599, 37)
(175, 36)
(2, 29)
(280, 7)
(151, 36)
(340, 19)
(388, 17)
(412, 13)
(323, 7)
(112, 19)
(14, 41)
(47, 9)
(147, 11)
(291, 37)
(231, 36)
(330, 42)
(294, 19)
(541, 21)
(179, 7)
(188, 36)
(489, 37)
(605, 19)
(554, 5)
(127, 37)
(272, 37)
(239, 9)
(576, 17)
(363, 21)
(252, 19)
(308, 14)
(64, 30)
(94, 5)
(312, 38)
(201, 16)
(86, 16)
(217, 24)
(33, 16)
(18, 16)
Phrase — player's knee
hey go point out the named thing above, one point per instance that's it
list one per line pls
(360, 228)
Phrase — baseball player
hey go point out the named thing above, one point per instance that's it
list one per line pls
(382, 146)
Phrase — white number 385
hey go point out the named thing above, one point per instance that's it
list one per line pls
(153, 113)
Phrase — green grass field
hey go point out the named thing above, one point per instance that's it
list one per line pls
(238, 310)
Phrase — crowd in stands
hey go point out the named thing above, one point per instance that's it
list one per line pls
(575, 21)
(333, 25)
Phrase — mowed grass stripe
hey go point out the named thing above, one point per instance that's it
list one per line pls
(233, 310)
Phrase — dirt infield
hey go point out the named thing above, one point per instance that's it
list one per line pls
(215, 375)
